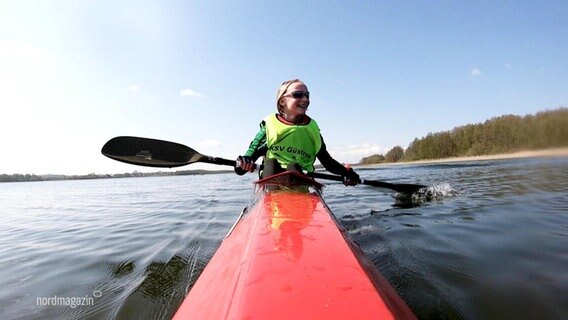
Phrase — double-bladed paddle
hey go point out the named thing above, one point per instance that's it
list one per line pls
(165, 154)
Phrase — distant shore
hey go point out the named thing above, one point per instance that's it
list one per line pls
(553, 152)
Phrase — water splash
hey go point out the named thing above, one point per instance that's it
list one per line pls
(437, 192)
(442, 190)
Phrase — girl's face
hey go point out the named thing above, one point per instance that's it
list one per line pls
(295, 101)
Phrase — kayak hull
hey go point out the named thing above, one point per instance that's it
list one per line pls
(288, 258)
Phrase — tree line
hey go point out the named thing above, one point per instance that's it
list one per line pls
(504, 134)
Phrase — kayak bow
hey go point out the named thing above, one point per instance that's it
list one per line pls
(287, 257)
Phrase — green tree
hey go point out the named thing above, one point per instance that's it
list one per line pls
(508, 133)
(376, 158)
(394, 154)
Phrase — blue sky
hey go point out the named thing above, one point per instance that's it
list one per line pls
(74, 74)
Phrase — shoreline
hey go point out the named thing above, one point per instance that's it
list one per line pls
(543, 153)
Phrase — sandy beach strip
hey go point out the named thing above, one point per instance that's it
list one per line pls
(553, 152)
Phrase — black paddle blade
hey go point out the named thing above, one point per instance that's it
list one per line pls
(150, 152)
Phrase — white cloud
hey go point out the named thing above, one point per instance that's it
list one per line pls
(475, 72)
(210, 143)
(354, 153)
(191, 93)
(134, 88)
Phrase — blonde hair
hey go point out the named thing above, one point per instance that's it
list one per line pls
(282, 90)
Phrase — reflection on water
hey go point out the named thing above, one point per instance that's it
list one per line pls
(496, 248)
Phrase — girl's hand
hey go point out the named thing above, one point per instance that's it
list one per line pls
(351, 178)
(243, 165)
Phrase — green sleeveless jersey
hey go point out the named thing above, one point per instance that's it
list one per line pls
(292, 143)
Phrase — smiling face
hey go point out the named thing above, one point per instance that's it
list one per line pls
(295, 101)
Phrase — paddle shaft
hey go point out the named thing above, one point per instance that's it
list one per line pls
(158, 153)
(405, 188)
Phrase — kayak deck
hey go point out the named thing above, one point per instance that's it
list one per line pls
(289, 259)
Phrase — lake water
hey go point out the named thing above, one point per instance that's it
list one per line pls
(492, 243)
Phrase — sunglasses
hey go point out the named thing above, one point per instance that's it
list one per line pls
(300, 94)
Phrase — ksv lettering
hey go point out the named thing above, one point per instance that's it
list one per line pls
(289, 150)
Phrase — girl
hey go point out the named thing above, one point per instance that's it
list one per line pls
(291, 139)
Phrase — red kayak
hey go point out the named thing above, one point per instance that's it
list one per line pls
(287, 257)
